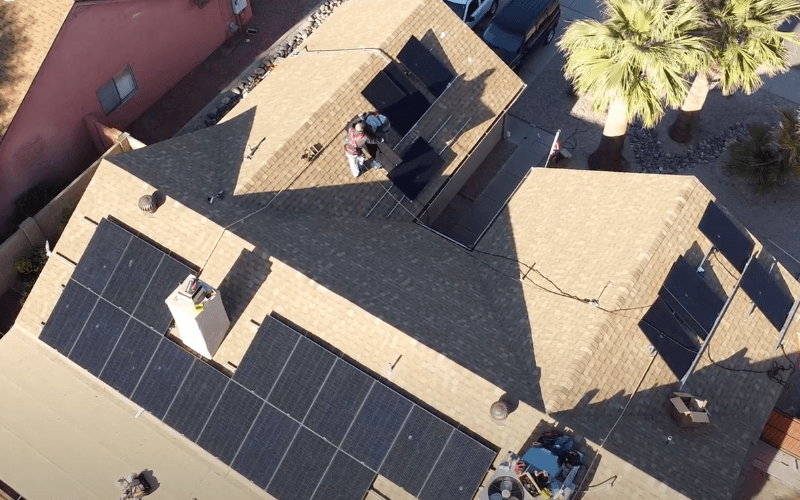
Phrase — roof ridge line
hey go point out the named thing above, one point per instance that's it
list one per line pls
(579, 363)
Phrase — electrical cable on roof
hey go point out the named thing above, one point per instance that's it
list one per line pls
(603, 443)
(714, 255)
(773, 373)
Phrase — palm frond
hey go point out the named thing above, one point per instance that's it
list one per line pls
(639, 54)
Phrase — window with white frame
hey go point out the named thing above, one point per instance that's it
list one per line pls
(117, 90)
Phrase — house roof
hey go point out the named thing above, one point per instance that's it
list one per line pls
(458, 328)
(27, 30)
(613, 238)
(310, 97)
(382, 290)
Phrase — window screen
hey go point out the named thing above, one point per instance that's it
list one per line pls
(117, 90)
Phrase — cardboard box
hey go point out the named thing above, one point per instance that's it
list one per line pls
(688, 411)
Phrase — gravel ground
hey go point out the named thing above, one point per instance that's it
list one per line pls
(769, 216)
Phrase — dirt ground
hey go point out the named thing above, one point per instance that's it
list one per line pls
(769, 216)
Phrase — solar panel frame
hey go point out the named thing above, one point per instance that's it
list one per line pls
(686, 292)
(130, 358)
(302, 378)
(425, 66)
(338, 401)
(98, 337)
(766, 294)
(101, 256)
(264, 360)
(723, 234)
(345, 479)
(196, 399)
(673, 344)
(152, 309)
(308, 453)
(230, 422)
(378, 422)
(132, 275)
(416, 450)
(163, 378)
(419, 166)
(265, 445)
(459, 470)
(394, 96)
(68, 317)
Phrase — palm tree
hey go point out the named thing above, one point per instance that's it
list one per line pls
(631, 63)
(746, 41)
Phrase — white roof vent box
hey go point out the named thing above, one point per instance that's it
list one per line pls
(199, 315)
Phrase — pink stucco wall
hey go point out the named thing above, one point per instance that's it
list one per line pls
(162, 40)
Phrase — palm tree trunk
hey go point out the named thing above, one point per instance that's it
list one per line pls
(683, 128)
(608, 155)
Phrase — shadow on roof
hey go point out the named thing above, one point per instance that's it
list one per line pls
(700, 463)
(414, 280)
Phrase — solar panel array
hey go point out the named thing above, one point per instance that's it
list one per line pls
(684, 312)
(687, 307)
(114, 306)
(316, 404)
(295, 419)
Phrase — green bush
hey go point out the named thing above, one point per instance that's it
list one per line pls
(29, 265)
(768, 157)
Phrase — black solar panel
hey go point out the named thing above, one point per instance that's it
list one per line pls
(152, 310)
(162, 378)
(68, 317)
(774, 302)
(266, 357)
(688, 294)
(425, 66)
(395, 97)
(723, 233)
(99, 336)
(302, 467)
(669, 338)
(228, 425)
(376, 425)
(302, 378)
(133, 274)
(459, 471)
(265, 446)
(195, 400)
(420, 165)
(101, 256)
(345, 479)
(416, 450)
(130, 357)
(338, 401)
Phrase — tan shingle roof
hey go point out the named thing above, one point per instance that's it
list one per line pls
(619, 234)
(310, 98)
(27, 30)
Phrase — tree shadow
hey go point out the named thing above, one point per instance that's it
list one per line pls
(699, 463)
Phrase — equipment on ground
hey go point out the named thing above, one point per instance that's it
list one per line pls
(134, 486)
(547, 470)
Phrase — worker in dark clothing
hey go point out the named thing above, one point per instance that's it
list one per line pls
(355, 140)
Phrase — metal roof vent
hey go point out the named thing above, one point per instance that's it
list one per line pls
(147, 204)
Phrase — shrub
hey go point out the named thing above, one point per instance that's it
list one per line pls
(29, 265)
(768, 157)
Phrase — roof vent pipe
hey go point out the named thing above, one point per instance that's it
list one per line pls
(147, 204)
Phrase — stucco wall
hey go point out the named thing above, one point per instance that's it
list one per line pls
(161, 41)
(46, 224)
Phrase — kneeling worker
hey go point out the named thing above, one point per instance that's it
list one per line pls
(355, 140)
